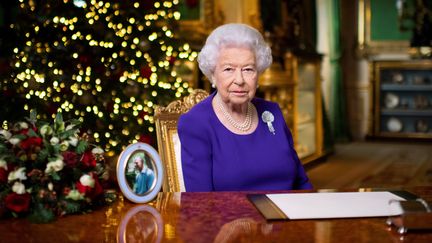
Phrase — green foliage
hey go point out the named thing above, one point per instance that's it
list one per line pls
(81, 147)
(72, 207)
(41, 215)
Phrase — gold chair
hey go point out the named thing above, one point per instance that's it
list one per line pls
(168, 141)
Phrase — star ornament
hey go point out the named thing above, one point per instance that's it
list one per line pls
(268, 118)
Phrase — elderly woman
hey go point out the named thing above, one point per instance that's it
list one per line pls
(233, 141)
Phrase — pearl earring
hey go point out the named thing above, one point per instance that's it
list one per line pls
(213, 86)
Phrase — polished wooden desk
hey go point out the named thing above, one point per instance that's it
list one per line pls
(202, 217)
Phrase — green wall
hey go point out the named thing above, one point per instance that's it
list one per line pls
(384, 22)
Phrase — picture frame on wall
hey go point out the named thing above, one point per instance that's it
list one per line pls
(197, 19)
(140, 172)
(379, 28)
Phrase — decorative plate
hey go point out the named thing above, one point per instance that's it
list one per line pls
(394, 125)
(391, 100)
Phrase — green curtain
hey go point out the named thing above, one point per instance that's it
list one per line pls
(337, 111)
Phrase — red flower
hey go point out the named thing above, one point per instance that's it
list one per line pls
(18, 202)
(31, 142)
(70, 158)
(88, 159)
(89, 191)
(25, 131)
(3, 175)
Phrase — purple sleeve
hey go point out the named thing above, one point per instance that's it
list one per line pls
(195, 153)
(301, 181)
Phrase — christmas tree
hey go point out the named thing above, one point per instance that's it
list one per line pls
(105, 62)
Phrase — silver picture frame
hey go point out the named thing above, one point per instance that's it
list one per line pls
(140, 172)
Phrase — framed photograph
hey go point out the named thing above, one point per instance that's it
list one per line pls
(140, 172)
(378, 28)
(142, 223)
(198, 18)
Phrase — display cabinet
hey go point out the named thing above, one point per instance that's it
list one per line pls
(296, 88)
(402, 99)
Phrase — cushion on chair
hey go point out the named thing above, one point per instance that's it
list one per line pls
(177, 156)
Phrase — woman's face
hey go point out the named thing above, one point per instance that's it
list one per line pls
(235, 75)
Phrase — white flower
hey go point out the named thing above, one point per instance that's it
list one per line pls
(54, 140)
(6, 134)
(3, 164)
(14, 141)
(46, 130)
(64, 146)
(75, 195)
(18, 187)
(87, 180)
(56, 165)
(73, 141)
(97, 151)
(50, 186)
(23, 125)
(17, 174)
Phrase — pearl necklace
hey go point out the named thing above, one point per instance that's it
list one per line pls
(246, 125)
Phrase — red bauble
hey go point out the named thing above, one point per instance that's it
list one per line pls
(142, 114)
(84, 60)
(172, 60)
(144, 138)
(192, 3)
(52, 108)
(146, 72)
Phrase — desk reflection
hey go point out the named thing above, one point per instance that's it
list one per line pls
(204, 217)
(240, 229)
(142, 223)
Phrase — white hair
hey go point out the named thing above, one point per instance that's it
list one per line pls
(239, 35)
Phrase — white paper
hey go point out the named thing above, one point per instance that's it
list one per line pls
(334, 204)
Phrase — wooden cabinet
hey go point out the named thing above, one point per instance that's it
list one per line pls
(402, 99)
(296, 88)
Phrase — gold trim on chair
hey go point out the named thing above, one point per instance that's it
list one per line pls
(167, 138)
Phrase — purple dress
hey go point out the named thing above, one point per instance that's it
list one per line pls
(215, 159)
